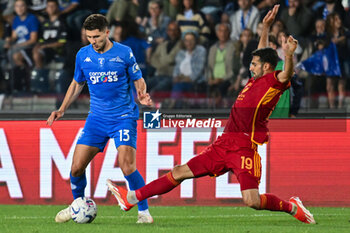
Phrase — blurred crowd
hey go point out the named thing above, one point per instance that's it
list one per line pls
(193, 53)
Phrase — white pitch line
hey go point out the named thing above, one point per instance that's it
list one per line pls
(172, 216)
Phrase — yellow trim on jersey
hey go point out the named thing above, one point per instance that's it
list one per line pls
(270, 94)
(274, 74)
(257, 164)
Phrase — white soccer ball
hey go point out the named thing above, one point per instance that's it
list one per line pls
(83, 210)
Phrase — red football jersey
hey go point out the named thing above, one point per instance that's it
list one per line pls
(254, 104)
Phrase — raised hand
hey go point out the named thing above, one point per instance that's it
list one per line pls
(270, 16)
(289, 45)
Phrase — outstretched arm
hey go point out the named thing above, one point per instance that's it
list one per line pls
(267, 22)
(142, 95)
(289, 46)
(72, 93)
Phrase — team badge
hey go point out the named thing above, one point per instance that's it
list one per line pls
(101, 61)
(135, 68)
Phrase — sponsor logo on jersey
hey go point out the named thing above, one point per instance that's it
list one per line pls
(103, 77)
(87, 59)
(116, 59)
(119, 60)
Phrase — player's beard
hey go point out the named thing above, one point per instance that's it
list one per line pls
(101, 49)
(258, 75)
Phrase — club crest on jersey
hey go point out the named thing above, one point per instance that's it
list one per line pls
(101, 61)
(135, 68)
(131, 55)
(242, 95)
(246, 87)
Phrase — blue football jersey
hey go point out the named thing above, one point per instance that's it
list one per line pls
(109, 76)
(24, 28)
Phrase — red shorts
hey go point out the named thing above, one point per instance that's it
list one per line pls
(230, 153)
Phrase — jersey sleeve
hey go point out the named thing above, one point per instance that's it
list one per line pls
(277, 84)
(133, 68)
(78, 73)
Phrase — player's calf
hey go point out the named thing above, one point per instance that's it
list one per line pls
(251, 198)
(255, 204)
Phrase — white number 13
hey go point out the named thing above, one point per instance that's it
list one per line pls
(124, 135)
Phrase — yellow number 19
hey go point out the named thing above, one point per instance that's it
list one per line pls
(247, 163)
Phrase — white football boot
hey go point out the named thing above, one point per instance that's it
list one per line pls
(63, 215)
(144, 217)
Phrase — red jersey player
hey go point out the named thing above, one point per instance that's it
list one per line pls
(236, 149)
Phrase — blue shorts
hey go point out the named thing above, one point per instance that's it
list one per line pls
(97, 132)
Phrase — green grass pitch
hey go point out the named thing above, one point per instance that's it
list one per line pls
(192, 219)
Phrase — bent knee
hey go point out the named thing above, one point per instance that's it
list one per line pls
(177, 173)
(127, 168)
(127, 165)
(182, 172)
(77, 170)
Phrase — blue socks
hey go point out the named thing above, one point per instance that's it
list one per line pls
(136, 181)
(78, 185)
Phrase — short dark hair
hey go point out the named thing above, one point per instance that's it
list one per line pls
(55, 1)
(267, 55)
(158, 2)
(25, 1)
(273, 40)
(95, 21)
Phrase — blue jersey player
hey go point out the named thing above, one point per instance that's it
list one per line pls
(107, 67)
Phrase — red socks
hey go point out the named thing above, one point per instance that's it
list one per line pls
(167, 182)
(271, 202)
(159, 186)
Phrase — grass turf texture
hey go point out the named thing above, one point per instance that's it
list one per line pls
(193, 219)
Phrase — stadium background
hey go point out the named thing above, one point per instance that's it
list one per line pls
(305, 157)
(34, 89)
